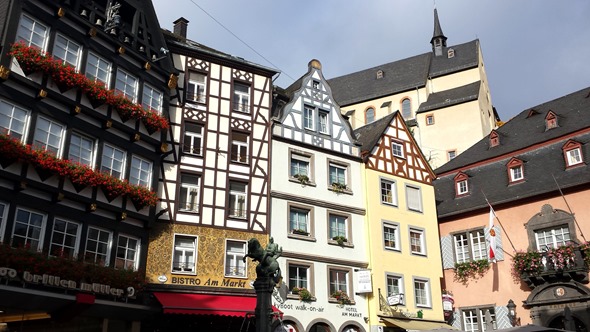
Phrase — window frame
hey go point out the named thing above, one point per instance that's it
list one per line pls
(347, 223)
(239, 146)
(136, 252)
(307, 212)
(348, 278)
(155, 97)
(309, 117)
(148, 174)
(451, 154)
(28, 40)
(392, 190)
(194, 239)
(469, 247)
(233, 193)
(462, 187)
(193, 137)
(554, 237)
(66, 51)
(370, 114)
(427, 290)
(121, 73)
(22, 119)
(572, 154)
(90, 162)
(422, 239)
(304, 157)
(341, 166)
(99, 68)
(238, 257)
(323, 122)
(401, 291)
(109, 246)
(480, 315)
(195, 86)
(76, 247)
(396, 234)
(398, 149)
(189, 187)
(239, 105)
(110, 169)
(309, 282)
(420, 208)
(429, 119)
(406, 107)
(27, 239)
(3, 215)
(43, 143)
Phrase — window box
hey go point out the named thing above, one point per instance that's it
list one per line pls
(303, 179)
(472, 269)
(341, 297)
(340, 240)
(338, 187)
(304, 294)
(300, 232)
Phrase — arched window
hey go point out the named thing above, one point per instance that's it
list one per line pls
(370, 115)
(406, 109)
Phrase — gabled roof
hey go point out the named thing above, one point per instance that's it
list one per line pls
(402, 75)
(523, 137)
(451, 97)
(369, 134)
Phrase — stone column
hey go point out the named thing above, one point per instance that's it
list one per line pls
(264, 315)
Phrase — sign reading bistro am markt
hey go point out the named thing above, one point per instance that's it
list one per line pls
(204, 281)
(57, 281)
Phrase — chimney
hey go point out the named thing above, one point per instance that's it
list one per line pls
(180, 26)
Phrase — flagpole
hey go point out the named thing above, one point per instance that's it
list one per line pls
(568, 207)
(499, 222)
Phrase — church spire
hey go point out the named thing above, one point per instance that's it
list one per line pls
(438, 41)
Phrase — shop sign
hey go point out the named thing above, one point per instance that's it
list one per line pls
(363, 284)
(192, 281)
(300, 307)
(56, 281)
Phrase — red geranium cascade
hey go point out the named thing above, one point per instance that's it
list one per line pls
(32, 59)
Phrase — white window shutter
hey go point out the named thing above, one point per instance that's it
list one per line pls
(457, 319)
(446, 246)
(502, 320)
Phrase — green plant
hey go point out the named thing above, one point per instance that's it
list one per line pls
(303, 179)
(340, 239)
(338, 187)
(341, 297)
(304, 294)
(472, 269)
(527, 262)
(300, 231)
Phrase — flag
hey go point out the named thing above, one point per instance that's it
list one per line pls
(492, 252)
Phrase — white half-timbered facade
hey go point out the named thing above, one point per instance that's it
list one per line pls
(317, 208)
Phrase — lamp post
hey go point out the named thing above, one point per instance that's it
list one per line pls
(512, 312)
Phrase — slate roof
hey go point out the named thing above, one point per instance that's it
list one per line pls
(525, 138)
(451, 97)
(369, 134)
(402, 75)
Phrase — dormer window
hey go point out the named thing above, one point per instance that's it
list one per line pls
(572, 152)
(450, 53)
(379, 74)
(515, 170)
(315, 84)
(461, 184)
(494, 139)
(550, 121)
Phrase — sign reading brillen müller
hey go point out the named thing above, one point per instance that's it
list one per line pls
(56, 281)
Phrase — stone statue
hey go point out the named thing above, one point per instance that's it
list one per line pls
(266, 258)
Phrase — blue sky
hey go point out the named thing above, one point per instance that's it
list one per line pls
(534, 50)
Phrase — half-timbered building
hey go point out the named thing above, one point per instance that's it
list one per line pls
(214, 188)
(404, 261)
(318, 209)
(83, 112)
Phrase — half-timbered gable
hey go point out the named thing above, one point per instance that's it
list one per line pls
(388, 147)
(83, 114)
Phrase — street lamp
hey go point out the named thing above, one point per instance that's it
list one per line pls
(512, 312)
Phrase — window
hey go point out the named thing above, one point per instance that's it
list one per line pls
(397, 149)
(196, 88)
(573, 157)
(299, 165)
(379, 74)
(98, 69)
(395, 286)
(516, 173)
(185, 252)
(48, 136)
(127, 253)
(462, 188)
(113, 161)
(414, 198)
(237, 199)
(13, 120)
(406, 109)
(189, 192)
(141, 172)
(339, 281)
(299, 221)
(470, 246)
(337, 174)
(550, 120)
(81, 149)
(370, 115)
(429, 120)
(152, 98)
(494, 139)
(241, 98)
(234, 255)
(3, 211)
(474, 319)
(239, 147)
(308, 115)
(32, 32)
(98, 246)
(29, 228)
(451, 154)
(67, 51)
(323, 122)
(127, 85)
(552, 237)
(417, 245)
(391, 236)
(316, 85)
(193, 138)
(388, 192)
(422, 292)
(64, 239)
(299, 276)
(338, 227)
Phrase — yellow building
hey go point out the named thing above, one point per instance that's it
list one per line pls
(443, 96)
(405, 262)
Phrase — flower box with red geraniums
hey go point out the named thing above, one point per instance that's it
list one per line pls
(79, 174)
(32, 59)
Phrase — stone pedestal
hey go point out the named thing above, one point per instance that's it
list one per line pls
(264, 315)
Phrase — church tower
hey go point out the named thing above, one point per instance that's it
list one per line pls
(439, 40)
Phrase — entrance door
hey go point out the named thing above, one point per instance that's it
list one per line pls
(560, 322)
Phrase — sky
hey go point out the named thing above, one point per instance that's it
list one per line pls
(534, 50)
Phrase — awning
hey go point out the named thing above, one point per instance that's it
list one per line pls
(416, 324)
(207, 304)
